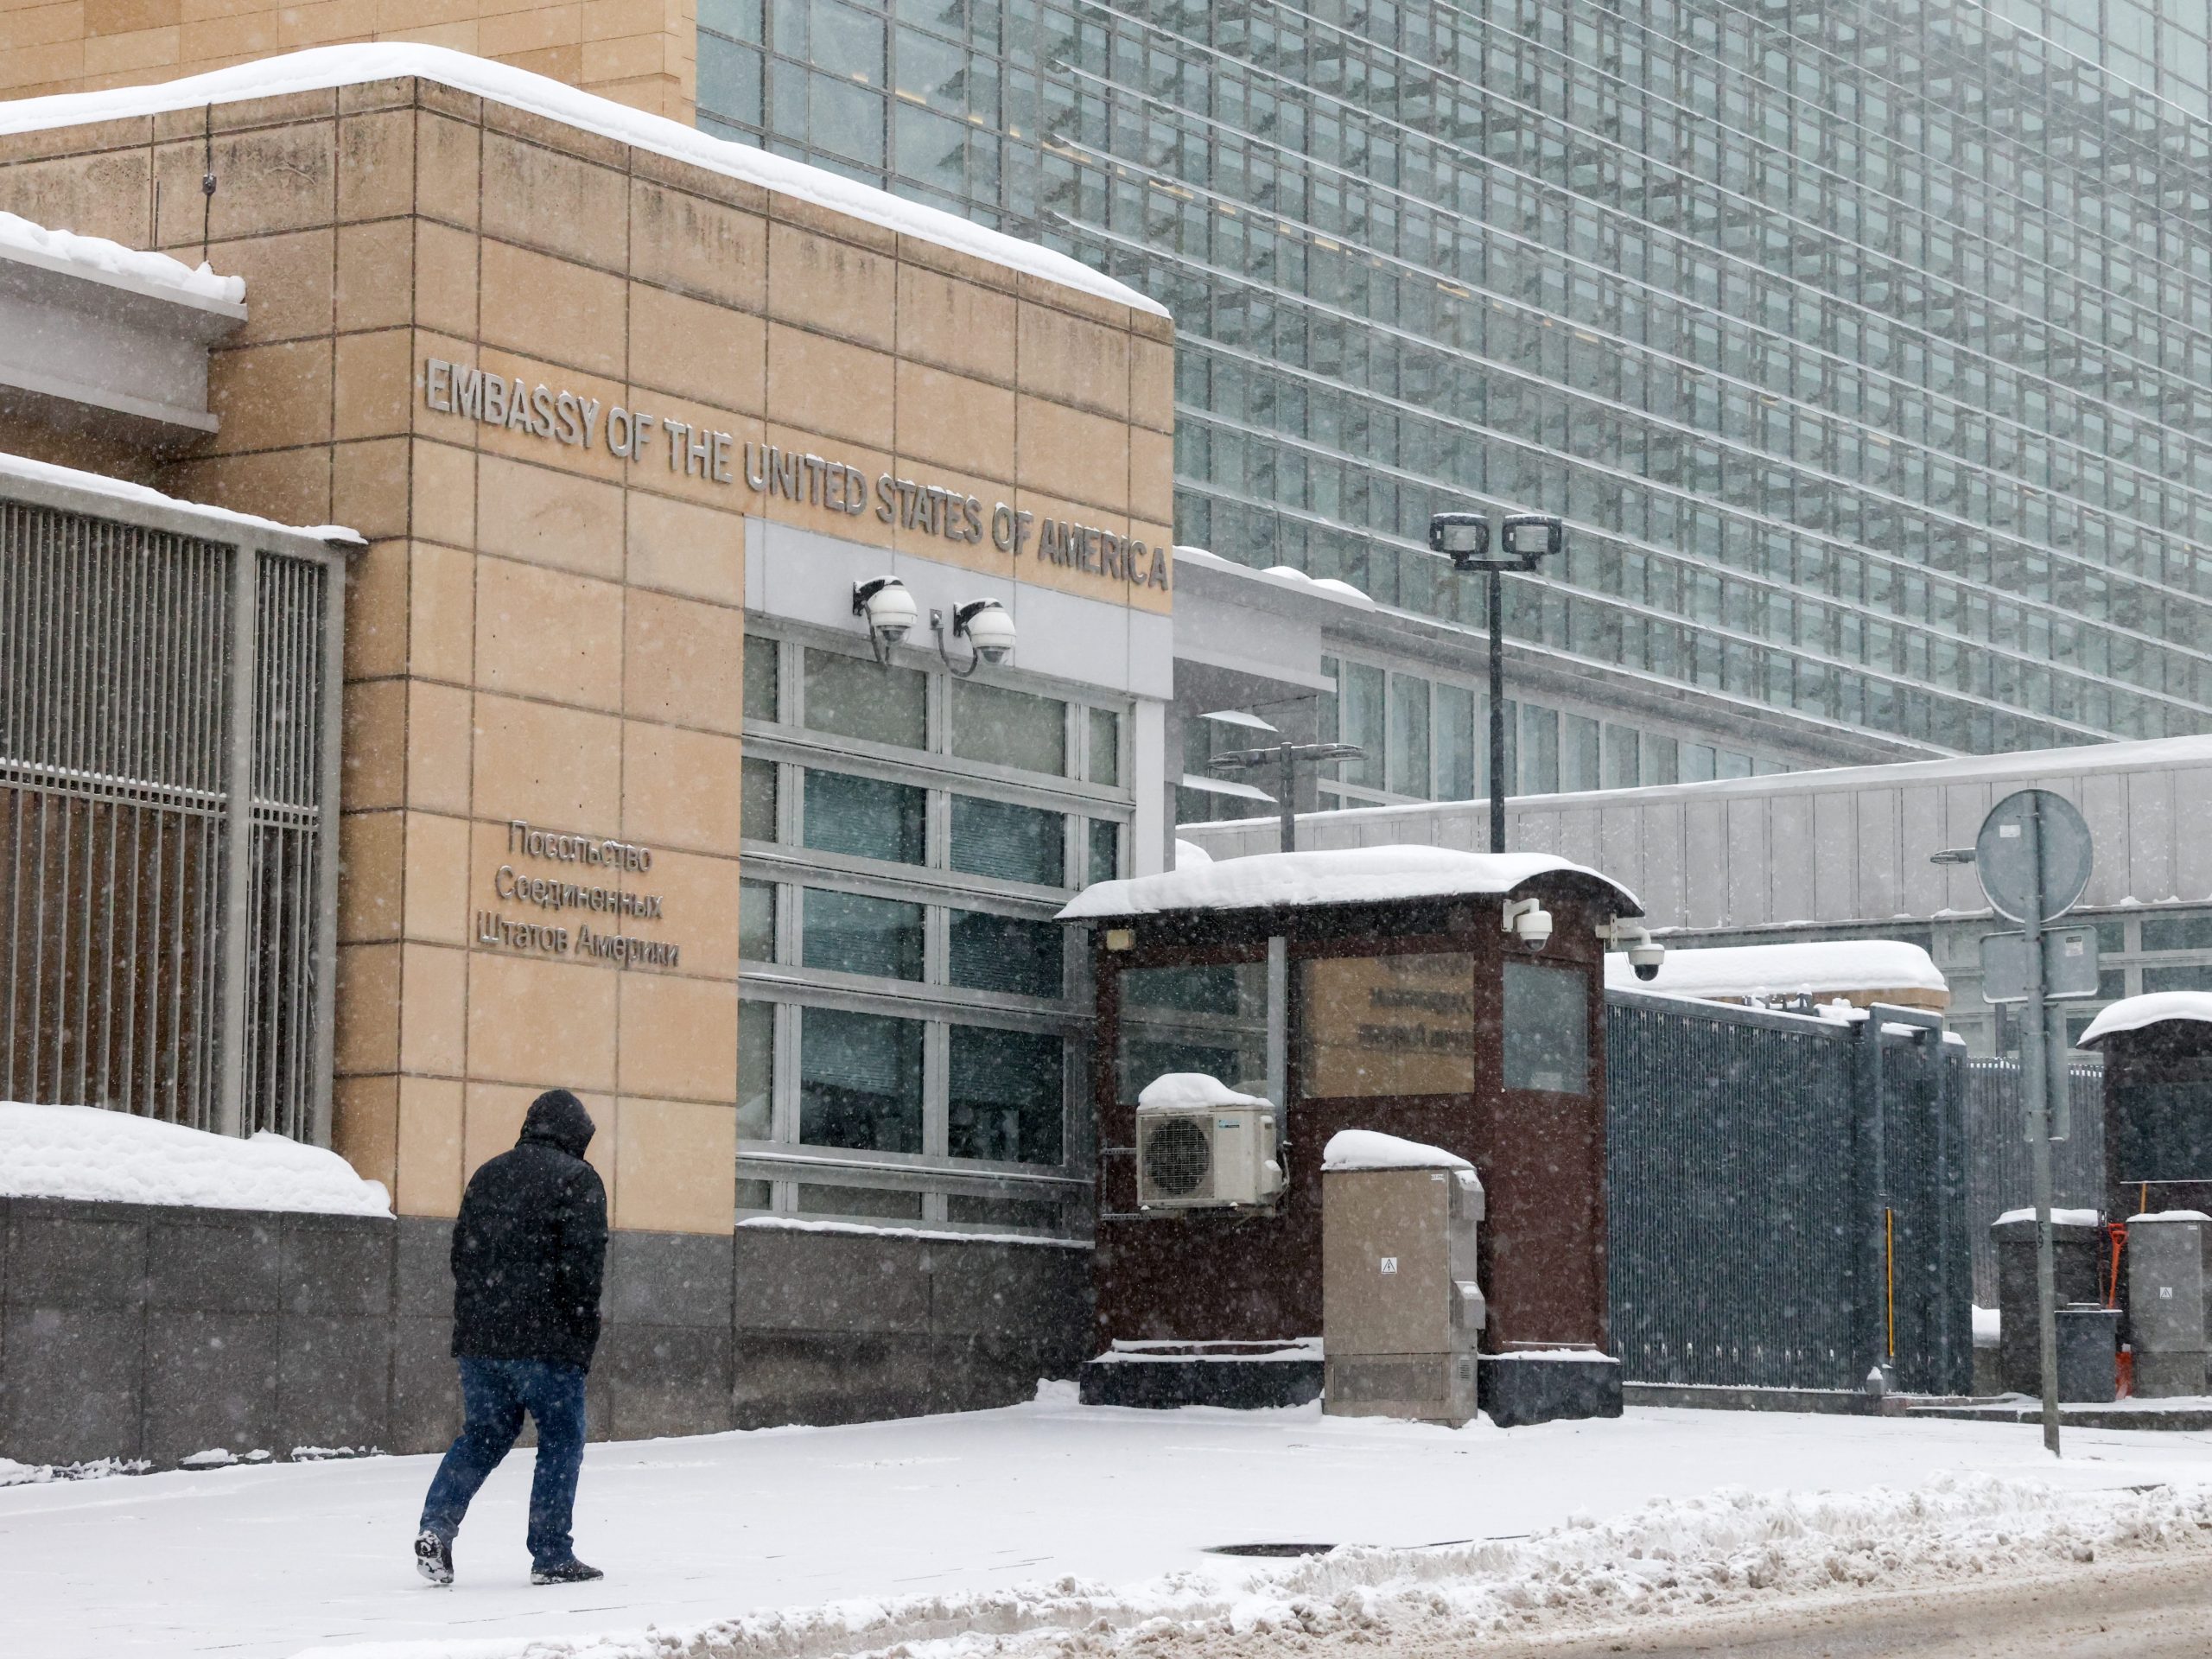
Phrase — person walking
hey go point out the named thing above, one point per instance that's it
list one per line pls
(529, 1249)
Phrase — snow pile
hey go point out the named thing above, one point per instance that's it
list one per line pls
(2058, 1217)
(2168, 1214)
(85, 1152)
(97, 255)
(1988, 1326)
(1784, 971)
(326, 66)
(2133, 1013)
(1672, 1556)
(1172, 1088)
(1371, 1150)
(117, 489)
(1347, 876)
(1188, 855)
(40, 1474)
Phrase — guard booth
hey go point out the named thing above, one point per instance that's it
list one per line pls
(1452, 998)
(2158, 1085)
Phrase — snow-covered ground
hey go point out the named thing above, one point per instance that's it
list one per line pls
(806, 1541)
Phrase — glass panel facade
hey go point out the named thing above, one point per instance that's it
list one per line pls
(1004, 1100)
(756, 1072)
(854, 933)
(853, 697)
(860, 1082)
(1015, 843)
(866, 817)
(1001, 728)
(1866, 350)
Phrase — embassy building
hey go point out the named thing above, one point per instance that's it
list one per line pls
(579, 757)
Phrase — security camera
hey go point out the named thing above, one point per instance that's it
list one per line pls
(989, 628)
(1529, 922)
(887, 608)
(1645, 956)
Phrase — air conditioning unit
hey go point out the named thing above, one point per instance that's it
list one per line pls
(1202, 1146)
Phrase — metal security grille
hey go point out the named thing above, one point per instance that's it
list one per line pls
(1999, 1173)
(1785, 1198)
(169, 702)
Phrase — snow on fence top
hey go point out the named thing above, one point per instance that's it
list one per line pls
(2133, 1013)
(324, 67)
(1349, 1149)
(1351, 876)
(89, 1153)
(98, 255)
(117, 489)
(1796, 969)
(1194, 1089)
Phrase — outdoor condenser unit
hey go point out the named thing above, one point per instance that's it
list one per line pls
(1201, 1146)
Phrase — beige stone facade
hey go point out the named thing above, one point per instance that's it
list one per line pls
(638, 52)
(546, 627)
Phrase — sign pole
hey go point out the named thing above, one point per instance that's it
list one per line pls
(2035, 1077)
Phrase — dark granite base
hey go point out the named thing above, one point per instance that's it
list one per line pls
(1517, 1389)
(1164, 1382)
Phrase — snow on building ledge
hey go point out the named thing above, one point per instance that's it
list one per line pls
(1352, 876)
(2134, 1013)
(90, 1154)
(43, 480)
(1859, 971)
(327, 67)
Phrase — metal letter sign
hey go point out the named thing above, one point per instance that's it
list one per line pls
(2070, 965)
(2033, 818)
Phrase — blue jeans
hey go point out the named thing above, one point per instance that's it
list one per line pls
(494, 1393)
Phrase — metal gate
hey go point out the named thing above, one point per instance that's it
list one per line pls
(1785, 1198)
(1998, 1175)
(168, 800)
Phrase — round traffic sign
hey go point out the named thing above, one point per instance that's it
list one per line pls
(2034, 855)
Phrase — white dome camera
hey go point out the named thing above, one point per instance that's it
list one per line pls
(889, 609)
(1529, 922)
(1645, 956)
(988, 626)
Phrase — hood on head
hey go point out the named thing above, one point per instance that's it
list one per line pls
(558, 1119)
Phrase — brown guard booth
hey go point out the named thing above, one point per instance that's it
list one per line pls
(2158, 1105)
(1418, 1014)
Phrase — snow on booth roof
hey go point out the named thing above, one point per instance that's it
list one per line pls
(103, 260)
(119, 489)
(323, 67)
(1349, 1149)
(1351, 875)
(1799, 968)
(2133, 1013)
(90, 1152)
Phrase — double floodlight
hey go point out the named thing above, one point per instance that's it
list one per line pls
(889, 611)
(986, 625)
(1524, 539)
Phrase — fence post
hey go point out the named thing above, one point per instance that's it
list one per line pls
(238, 838)
(326, 910)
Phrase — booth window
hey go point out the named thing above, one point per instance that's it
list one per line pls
(866, 817)
(1004, 953)
(860, 1082)
(1004, 1095)
(1014, 843)
(1001, 728)
(853, 933)
(1210, 1019)
(1547, 1039)
(1387, 1026)
(852, 696)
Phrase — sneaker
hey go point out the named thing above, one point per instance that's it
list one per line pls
(434, 1557)
(571, 1570)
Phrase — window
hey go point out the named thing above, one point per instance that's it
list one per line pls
(1003, 1099)
(1014, 843)
(1004, 953)
(757, 802)
(851, 697)
(756, 1072)
(1009, 728)
(1539, 750)
(756, 921)
(1407, 770)
(2177, 933)
(1105, 747)
(866, 817)
(859, 1082)
(1360, 694)
(1212, 1020)
(1458, 745)
(1105, 849)
(854, 933)
(819, 1199)
(1546, 1035)
(761, 688)
(1579, 753)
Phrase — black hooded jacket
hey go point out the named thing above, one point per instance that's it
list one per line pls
(530, 1243)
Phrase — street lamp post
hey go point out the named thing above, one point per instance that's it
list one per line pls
(1524, 540)
(1286, 756)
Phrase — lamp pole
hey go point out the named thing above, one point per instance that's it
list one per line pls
(1524, 540)
(1287, 757)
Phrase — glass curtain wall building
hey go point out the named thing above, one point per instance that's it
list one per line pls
(1867, 347)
